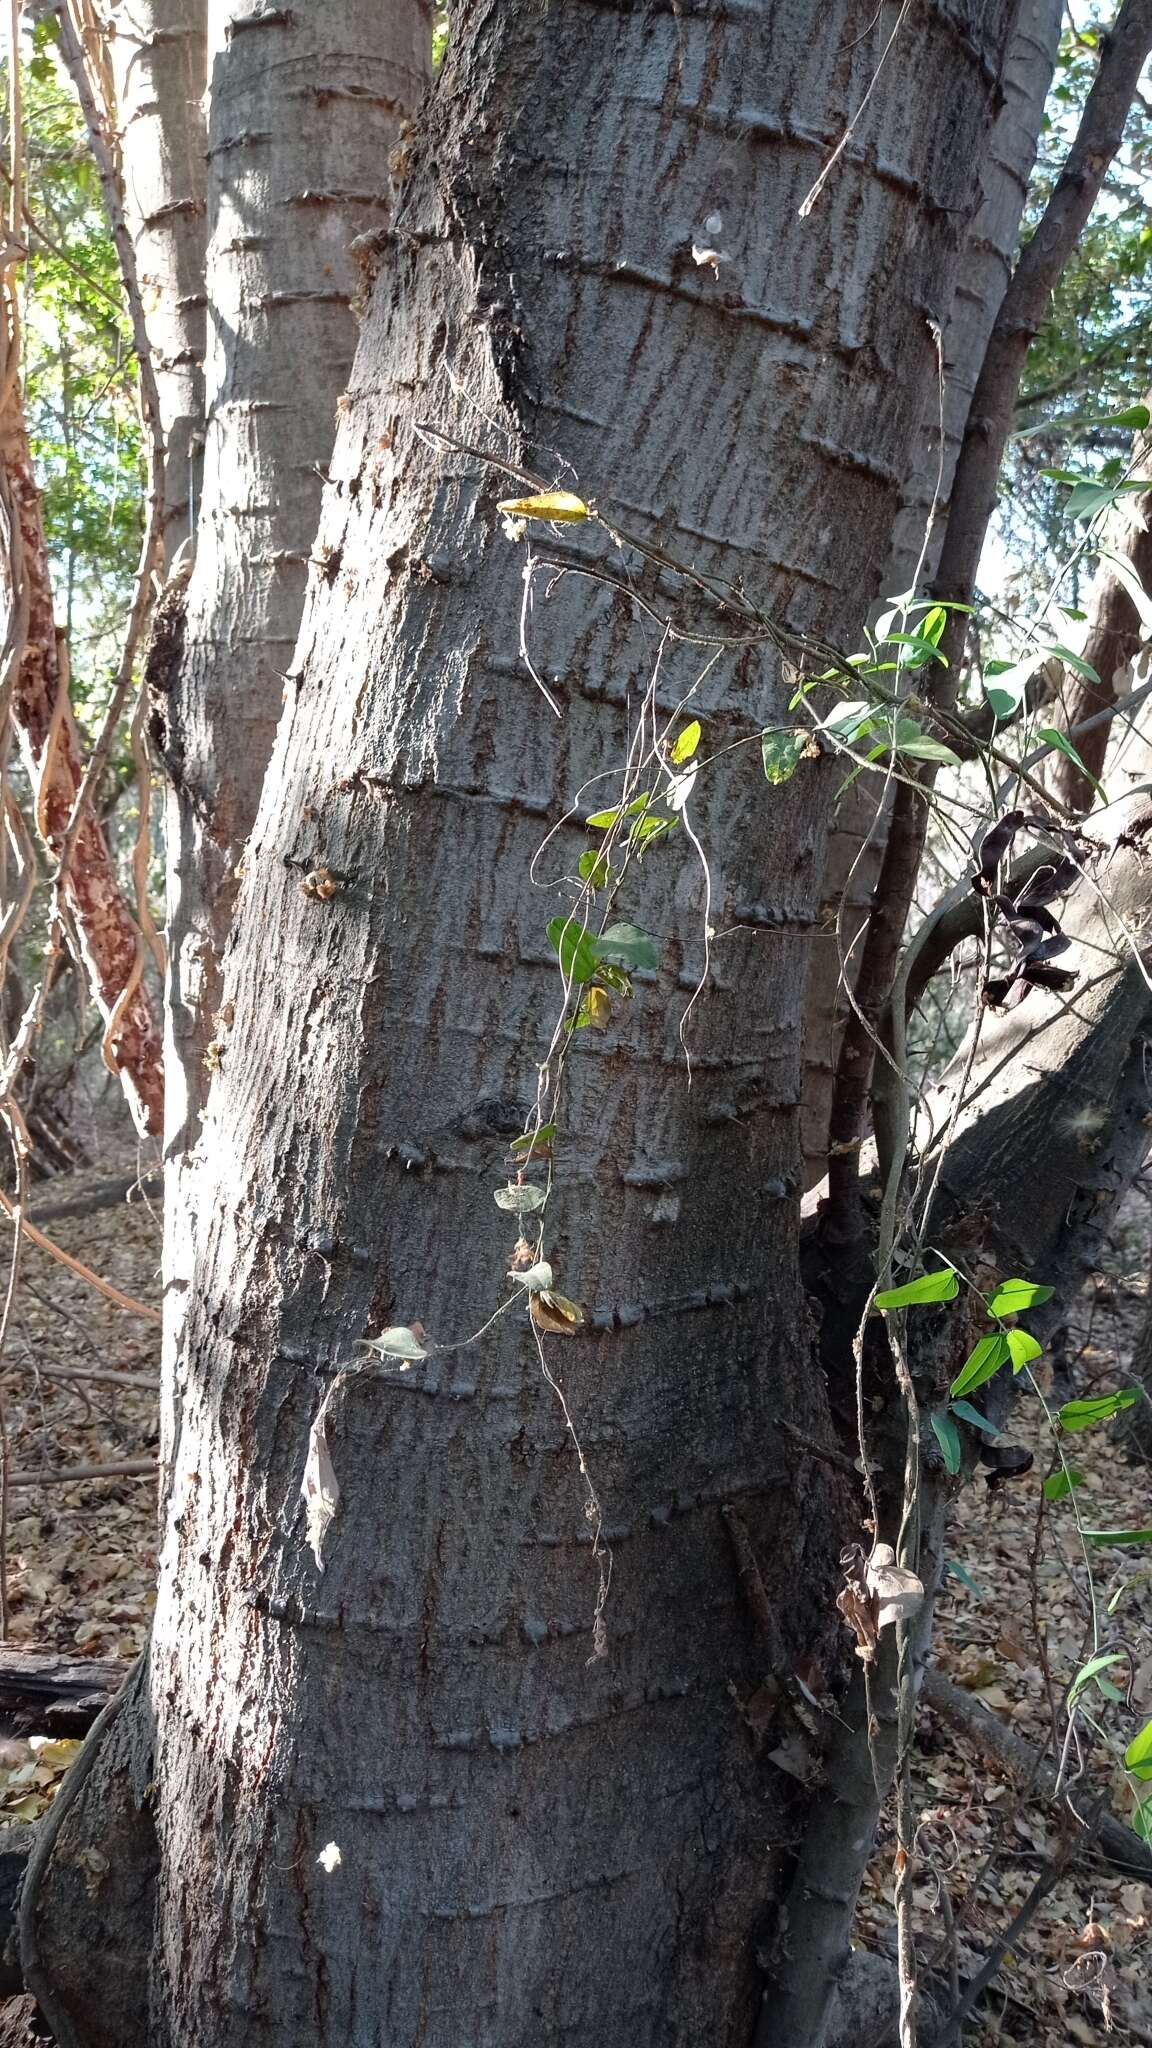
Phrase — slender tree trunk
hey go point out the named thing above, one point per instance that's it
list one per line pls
(112, 945)
(158, 52)
(1113, 636)
(304, 107)
(856, 843)
(533, 1838)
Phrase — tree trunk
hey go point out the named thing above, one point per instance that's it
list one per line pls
(304, 106)
(158, 52)
(110, 941)
(534, 1838)
(856, 842)
(1113, 635)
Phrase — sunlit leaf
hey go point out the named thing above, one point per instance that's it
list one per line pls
(983, 1363)
(555, 1313)
(1052, 737)
(595, 1011)
(1138, 1755)
(1012, 1297)
(552, 505)
(1096, 1408)
(1022, 1348)
(942, 1285)
(686, 743)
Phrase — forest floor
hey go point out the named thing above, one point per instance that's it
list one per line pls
(82, 1559)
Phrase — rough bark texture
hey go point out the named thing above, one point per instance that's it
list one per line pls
(534, 1845)
(158, 51)
(304, 106)
(1112, 638)
(856, 843)
(110, 940)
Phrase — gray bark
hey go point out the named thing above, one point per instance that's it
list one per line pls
(534, 1842)
(157, 50)
(303, 107)
(856, 843)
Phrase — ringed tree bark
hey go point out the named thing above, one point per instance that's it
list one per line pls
(158, 63)
(856, 843)
(532, 1838)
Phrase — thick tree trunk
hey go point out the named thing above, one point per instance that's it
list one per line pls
(158, 53)
(856, 842)
(534, 1839)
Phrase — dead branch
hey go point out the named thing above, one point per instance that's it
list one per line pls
(68, 1475)
(77, 1266)
(1023, 1763)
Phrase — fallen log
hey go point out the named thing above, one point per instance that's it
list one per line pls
(43, 1692)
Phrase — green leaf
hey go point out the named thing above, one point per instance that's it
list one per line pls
(1074, 661)
(927, 749)
(968, 1413)
(1142, 1820)
(576, 948)
(534, 1141)
(1096, 1408)
(961, 1572)
(939, 1286)
(1135, 416)
(1091, 1670)
(1022, 1348)
(686, 743)
(1059, 1485)
(1086, 500)
(625, 945)
(782, 752)
(1138, 1755)
(1063, 745)
(650, 827)
(983, 1363)
(1113, 1539)
(594, 868)
(948, 1438)
(601, 820)
(1012, 1297)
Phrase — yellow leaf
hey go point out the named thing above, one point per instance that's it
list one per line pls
(54, 1755)
(686, 742)
(27, 1809)
(555, 1313)
(555, 505)
(596, 1009)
